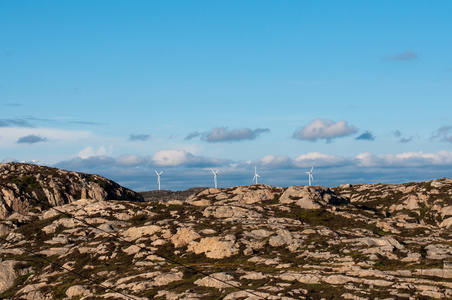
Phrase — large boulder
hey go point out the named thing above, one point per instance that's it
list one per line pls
(213, 247)
(229, 211)
(184, 236)
(311, 197)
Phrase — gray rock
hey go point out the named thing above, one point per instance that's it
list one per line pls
(7, 274)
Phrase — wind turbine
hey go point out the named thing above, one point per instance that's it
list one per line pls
(310, 175)
(255, 174)
(158, 179)
(215, 177)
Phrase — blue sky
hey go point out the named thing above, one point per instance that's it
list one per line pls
(361, 90)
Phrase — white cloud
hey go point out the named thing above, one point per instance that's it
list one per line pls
(91, 151)
(319, 159)
(367, 160)
(275, 161)
(406, 159)
(131, 160)
(324, 129)
(173, 158)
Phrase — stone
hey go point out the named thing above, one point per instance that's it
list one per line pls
(340, 279)
(447, 223)
(7, 274)
(229, 211)
(217, 280)
(134, 233)
(77, 290)
(6, 228)
(213, 247)
(184, 236)
(283, 237)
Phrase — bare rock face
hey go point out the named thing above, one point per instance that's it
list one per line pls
(224, 281)
(311, 197)
(214, 247)
(184, 236)
(22, 185)
(77, 290)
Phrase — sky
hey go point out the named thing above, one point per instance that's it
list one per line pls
(359, 90)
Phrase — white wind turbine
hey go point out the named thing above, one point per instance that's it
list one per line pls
(255, 174)
(215, 177)
(310, 175)
(158, 177)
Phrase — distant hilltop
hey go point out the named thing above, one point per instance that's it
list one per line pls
(23, 186)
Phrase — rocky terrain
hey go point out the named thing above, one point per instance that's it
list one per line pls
(369, 241)
(23, 186)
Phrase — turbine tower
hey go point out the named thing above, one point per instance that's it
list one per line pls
(310, 176)
(255, 174)
(215, 177)
(158, 177)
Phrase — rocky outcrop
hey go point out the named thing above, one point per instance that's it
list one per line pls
(23, 186)
(7, 274)
(248, 242)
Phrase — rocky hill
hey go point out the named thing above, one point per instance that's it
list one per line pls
(369, 241)
(24, 186)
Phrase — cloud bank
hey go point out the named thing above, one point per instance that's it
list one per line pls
(184, 170)
(324, 129)
(171, 158)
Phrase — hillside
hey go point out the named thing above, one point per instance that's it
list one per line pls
(368, 241)
(24, 187)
